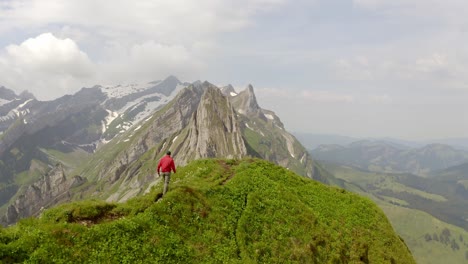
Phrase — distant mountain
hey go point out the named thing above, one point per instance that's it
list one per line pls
(458, 143)
(382, 156)
(94, 143)
(312, 141)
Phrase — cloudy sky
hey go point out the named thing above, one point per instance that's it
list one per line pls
(366, 68)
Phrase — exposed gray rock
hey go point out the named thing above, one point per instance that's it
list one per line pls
(228, 90)
(213, 131)
(49, 190)
(245, 102)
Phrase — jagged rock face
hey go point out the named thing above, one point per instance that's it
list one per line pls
(245, 102)
(50, 189)
(213, 131)
(266, 137)
(7, 94)
(228, 90)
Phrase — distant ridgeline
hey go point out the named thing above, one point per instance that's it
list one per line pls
(217, 211)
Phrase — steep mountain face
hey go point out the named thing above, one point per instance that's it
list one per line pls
(54, 185)
(213, 131)
(382, 156)
(266, 137)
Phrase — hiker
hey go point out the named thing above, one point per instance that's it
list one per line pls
(165, 166)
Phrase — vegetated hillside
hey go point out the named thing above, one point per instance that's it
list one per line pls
(458, 174)
(444, 198)
(383, 156)
(429, 213)
(217, 211)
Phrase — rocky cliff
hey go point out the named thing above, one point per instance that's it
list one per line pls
(54, 187)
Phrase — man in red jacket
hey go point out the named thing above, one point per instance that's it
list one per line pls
(165, 166)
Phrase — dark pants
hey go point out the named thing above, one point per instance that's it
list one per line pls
(167, 179)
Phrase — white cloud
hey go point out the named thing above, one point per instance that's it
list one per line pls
(50, 55)
(126, 41)
(381, 99)
(449, 12)
(311, 96)
(355, 68)
(326, 97)
(172, 21)
(148, 61)
(46, 66)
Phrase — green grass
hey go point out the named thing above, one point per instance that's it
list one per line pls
(413, 225)
(217, 211)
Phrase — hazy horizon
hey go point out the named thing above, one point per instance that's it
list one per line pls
(359, 68)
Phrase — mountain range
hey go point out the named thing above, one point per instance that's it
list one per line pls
(104, 141)
(383, 156)
(428, 210)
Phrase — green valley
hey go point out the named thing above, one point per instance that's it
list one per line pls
(426, 217)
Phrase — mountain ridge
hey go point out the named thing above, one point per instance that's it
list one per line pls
(388, 157)
(234, 211)
(199, 122)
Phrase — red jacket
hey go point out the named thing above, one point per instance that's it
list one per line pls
(166, 164)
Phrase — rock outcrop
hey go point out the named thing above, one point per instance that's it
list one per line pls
(49, 190)
(213, 130)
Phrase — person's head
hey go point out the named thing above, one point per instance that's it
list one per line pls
(168, 153)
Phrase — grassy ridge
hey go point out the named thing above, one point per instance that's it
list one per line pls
(217, 211)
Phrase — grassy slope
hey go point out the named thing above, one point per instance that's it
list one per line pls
(411, 224)
(218, 211)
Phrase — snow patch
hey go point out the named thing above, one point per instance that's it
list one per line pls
(174, 139)
(303, 158)
(3, 101)
(25, 103)
(233, 94)
(289, 144)
(138, 128)
(269, 116)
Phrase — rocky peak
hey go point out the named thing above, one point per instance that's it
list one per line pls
(7, 94)
(228, 90)
(245, 102)
(167, 86)
(213, 130)
(26, 95)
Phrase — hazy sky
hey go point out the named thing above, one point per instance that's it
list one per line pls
(367, 68)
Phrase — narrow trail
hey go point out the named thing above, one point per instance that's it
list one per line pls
(228, 171)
